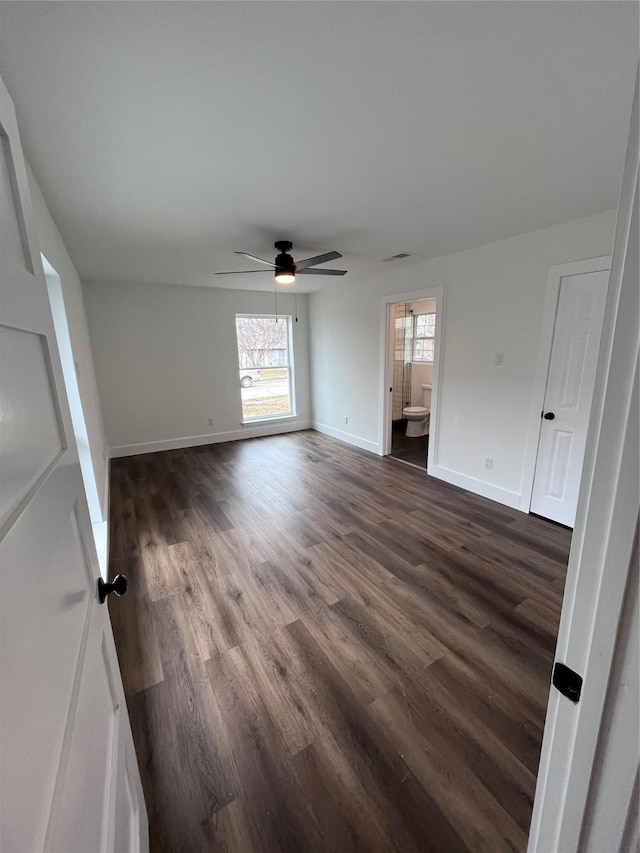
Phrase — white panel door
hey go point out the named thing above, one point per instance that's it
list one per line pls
(567, 403)
(69, 779)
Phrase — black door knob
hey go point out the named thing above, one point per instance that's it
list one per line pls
(117, 585)
(549, 416)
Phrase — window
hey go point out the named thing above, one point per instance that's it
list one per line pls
(423, 335)
(265, 358)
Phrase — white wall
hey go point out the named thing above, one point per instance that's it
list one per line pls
(345, 351)
(166, 361)
(421, 374)
(54, 250)
(493, 302)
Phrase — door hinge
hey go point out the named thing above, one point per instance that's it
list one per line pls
(568, 682)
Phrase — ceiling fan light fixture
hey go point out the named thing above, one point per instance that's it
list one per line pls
(285, 277)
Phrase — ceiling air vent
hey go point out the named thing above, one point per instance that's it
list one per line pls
(398, 256)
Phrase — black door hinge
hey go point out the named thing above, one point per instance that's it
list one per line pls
(568, 682)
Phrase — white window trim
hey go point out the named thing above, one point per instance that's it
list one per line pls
(292, 413)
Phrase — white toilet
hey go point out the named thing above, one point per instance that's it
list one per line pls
(418, 416)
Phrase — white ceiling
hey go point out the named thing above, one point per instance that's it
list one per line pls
(167, 135)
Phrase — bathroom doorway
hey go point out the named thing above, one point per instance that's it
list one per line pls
(412, 330)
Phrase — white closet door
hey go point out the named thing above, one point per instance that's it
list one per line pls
(567, 403)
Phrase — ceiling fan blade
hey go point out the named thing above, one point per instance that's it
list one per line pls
(321, 272)
(239, 272)
(256, 258)
(318, 259)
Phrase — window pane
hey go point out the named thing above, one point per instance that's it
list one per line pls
(265, 375)
(423, 349)
(262, 341)
(268, 395)
(425, 325)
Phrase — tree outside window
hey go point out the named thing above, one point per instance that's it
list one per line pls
(262, 342)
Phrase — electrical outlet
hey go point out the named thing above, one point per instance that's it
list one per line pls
(346, 419)
(498, 358)
(488, 461)
(210, 421)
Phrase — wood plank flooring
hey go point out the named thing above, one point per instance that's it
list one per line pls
(324, 651)
(408, 449)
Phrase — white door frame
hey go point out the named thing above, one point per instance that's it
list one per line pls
(602, 546)
(386, 374)
(554, 280)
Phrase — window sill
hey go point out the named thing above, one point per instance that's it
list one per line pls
(268, 419)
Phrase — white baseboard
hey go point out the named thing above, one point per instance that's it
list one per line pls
(363, 443)
(254, 431)
(478, 487)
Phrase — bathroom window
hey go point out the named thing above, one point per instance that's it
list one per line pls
(265, 359)
(424, 330)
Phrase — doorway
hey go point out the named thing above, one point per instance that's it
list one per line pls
(412, 325)
(568, 395)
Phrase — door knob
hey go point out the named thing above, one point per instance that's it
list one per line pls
(117, 585)
(549, 416)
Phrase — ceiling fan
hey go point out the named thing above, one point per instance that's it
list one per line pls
(286, 268)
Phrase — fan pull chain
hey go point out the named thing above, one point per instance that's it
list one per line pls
(275, 297)
(295, 297)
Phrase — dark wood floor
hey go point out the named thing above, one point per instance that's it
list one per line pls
(412, 449)
(324, 651)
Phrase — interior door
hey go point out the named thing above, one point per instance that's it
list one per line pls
(567, 404)
(69, 779)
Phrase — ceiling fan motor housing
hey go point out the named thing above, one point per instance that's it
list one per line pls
(284, 261)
